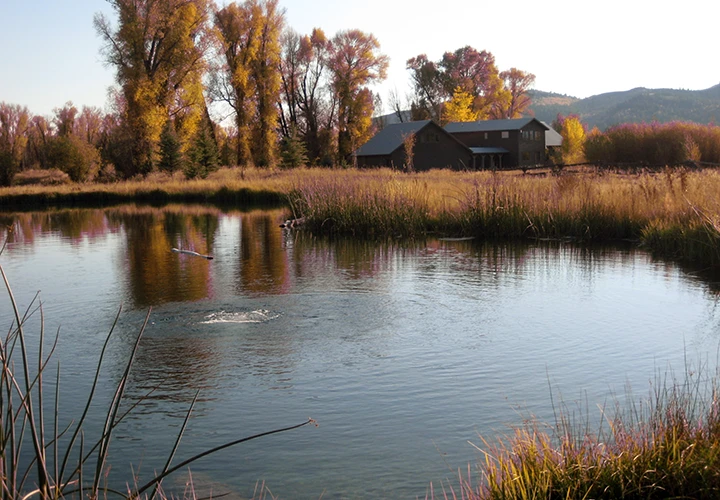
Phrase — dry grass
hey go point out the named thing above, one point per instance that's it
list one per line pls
(675, 212)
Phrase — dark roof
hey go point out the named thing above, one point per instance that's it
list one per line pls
(552, 138)
(487, 151)
(490, 125)
(390, 138)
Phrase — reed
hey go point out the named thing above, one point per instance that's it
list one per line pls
(65, 461)
(665, 446)
(673, 212)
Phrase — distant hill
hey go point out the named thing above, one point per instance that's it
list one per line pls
(631, 106)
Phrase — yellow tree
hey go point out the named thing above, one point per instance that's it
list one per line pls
(513, 100)
(158, 51)
(267, 76)
(573, 133)
(239, 30)
(354, 63)
(459, 108)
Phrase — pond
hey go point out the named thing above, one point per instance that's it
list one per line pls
(404, 353)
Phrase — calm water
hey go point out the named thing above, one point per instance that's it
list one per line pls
(404, 354)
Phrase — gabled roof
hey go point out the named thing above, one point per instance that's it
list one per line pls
(491, 125)
(390, 138)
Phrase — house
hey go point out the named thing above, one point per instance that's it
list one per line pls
(433, 148)
(511, 143)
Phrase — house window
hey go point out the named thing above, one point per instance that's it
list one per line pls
(486, 136)
(505, 134)
(526, 156)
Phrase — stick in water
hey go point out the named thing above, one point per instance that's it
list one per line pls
(190, 252)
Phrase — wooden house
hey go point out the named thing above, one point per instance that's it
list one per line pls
(498, 144)
(433, 148)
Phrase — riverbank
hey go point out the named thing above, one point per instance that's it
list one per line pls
(674, 213)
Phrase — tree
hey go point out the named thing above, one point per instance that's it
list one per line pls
(573, 133)
(292, 151)
(203, 153)
(171, 156)
(14, 123)
(459, 108)
(158, 52)
(74, 156)
(354, 63)
(475, 72)
(428, 87)
(514, 99)
(308, 104)
(409, 149)
(267, 82)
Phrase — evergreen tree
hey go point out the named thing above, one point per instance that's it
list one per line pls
(203, 154)
(171, 157)
(293, 152)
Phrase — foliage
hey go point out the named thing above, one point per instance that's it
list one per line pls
(514, 100)
(171, 156)
(572, 131)
(654, 143)
(495, 95)
(203, 154)
(354, 63)
(459, 108)
(292, 151)
(157, 51)
(74, 156)
(409, 149)
(14, 122)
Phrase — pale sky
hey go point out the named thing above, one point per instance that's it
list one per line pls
(49, 51)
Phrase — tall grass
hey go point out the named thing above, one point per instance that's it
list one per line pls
(674, 212)
(39, 456)
(666, 446)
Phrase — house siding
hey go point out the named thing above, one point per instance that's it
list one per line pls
(525, 146)
(434, 148)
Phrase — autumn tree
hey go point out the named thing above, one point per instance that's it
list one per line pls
(14, 123)
(572, 131)
(307, 103)
(514, 98)
(354, 62)
(428, 86)
(459, 108)
(495, 95)
(158, 52)
(267, 82)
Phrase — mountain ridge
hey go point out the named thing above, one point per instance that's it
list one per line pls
(630, 106)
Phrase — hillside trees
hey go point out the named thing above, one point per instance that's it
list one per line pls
(158, 52)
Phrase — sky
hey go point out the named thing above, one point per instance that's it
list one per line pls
(50, 52)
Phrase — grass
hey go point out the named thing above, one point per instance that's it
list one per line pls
(665, 447)
(674, 213)
(64, 460)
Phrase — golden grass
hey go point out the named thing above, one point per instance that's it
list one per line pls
(675, 212)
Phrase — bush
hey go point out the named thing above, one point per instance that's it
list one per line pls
(74, 156)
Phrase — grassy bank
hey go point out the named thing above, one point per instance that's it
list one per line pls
(675, 213)
(666, 446)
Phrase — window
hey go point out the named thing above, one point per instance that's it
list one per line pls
(526, 156)
(486, 135)
(505, 134)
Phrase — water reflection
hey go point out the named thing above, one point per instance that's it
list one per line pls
(398, 349)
